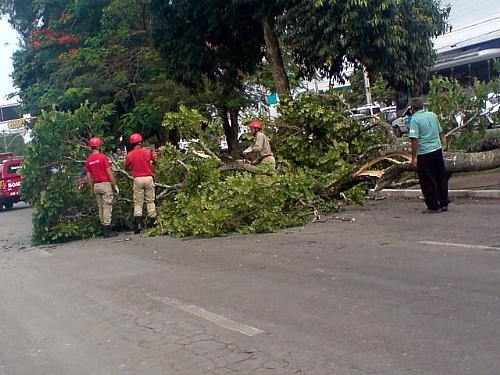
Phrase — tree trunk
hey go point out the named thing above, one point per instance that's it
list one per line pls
(171, 136)
(455, 162)
(274, 56)
(232, 140)
(230, 126)
(486, 144)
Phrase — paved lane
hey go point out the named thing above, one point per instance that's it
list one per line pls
(366, 297)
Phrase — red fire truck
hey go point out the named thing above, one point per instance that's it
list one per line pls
(10, 179)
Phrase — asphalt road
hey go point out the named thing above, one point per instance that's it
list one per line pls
(390, 292)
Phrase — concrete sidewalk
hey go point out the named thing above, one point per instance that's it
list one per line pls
(484, 185)
(452, 193)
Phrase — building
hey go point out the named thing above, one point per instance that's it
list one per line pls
(10, 120)
(469, 51)
(13, 124)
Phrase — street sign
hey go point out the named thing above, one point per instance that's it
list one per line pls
(16, 124)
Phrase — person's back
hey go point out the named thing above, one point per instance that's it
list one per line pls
(139, 160)
(97, 164)
(427, 156)
(425, 127)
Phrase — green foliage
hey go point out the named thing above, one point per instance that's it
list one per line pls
(12, 143)
(318, 145)
(216, 205)
(496, 65)
(129, 60)
(391, 38)
(190, 120)
(52, 172)
(315, 132)
(467, 139)
(95, 51)
(221, 43)
(211, 203)
(448, 99)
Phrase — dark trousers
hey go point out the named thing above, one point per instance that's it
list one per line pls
(433, 179)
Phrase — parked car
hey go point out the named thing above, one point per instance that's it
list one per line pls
(365, 115)
(390, 113)
(367, 111)
(402, 123)
(491, 110)
(10, 180)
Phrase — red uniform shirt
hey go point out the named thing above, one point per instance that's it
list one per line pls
(96, 165)
(139, 161)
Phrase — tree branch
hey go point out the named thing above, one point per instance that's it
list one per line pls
(240, 167)
(206, 149)
(74, 160)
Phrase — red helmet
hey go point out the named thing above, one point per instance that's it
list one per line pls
(256, 124)
(95, 142)
(135, 138)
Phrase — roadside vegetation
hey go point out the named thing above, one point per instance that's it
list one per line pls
(110, 68)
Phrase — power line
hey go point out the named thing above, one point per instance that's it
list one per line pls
(478, 23)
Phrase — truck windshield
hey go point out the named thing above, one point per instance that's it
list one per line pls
(13, 168)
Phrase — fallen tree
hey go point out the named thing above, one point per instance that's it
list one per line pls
(324, 161)
(485, 144)
(455, 162)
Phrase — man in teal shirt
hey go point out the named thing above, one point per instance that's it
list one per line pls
(427, 155)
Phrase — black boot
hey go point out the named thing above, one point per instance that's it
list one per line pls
(150, 222)
(137, 224)
(107, 232)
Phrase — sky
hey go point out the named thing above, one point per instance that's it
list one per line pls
(8, 44)
(463, 12)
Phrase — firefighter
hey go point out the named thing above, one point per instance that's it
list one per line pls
(101, 180)
(261, 146)
(140, 161)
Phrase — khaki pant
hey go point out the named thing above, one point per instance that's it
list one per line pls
(269, 160)
(144, 189)
(104, 197)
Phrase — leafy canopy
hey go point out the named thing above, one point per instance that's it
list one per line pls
(391, 38)
(210, 39)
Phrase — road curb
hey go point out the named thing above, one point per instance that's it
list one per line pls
(416, 193)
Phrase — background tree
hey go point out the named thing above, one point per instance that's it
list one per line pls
(461, 109)
(265, 14)
(100, 52)
(381, 92)
(54, 166)
(392, 39)
(210, 46)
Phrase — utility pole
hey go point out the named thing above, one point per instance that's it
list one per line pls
(368, 90)
(4, 141)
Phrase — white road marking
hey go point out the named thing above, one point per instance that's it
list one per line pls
(467, 246)
(43, 252)
(205, 314)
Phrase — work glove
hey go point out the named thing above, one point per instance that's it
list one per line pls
(117, 191)
(247, 150)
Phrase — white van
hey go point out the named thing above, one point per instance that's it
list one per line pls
(365, 114)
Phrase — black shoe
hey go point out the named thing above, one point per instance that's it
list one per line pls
(150, 222)
(137, 224)
(107, 232)
(429, 211)
(444, 209)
